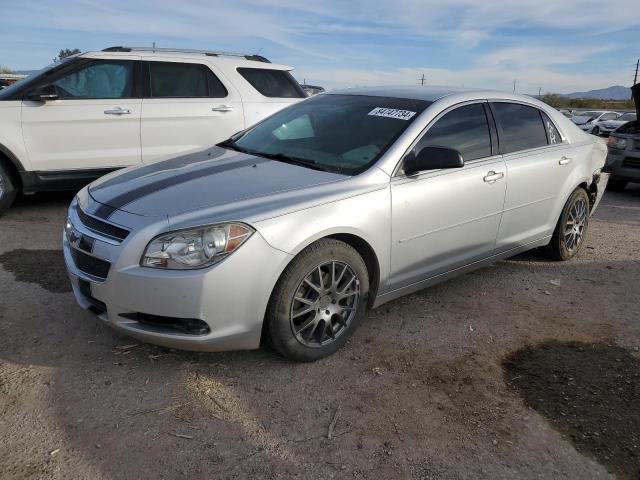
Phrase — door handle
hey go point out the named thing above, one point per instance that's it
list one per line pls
(565, 161)
(117, 111)
(222, 109)
(492, 176)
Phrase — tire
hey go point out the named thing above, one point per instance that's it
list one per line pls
(324, 308)
(595, 131)
(8, 190)
(616, 185)
(571, 229)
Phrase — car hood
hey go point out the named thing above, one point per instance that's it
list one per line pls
(213, 177)
(580, 120)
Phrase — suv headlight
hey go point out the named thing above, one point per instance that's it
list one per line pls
(616, 142)
(196, 247)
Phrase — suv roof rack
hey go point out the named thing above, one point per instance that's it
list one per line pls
(209, 53)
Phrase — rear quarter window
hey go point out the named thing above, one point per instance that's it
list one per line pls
(272, 83)
(520, 127)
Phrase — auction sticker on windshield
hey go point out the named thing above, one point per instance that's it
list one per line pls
(392, 113)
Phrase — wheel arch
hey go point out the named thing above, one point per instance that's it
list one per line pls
(11, 162)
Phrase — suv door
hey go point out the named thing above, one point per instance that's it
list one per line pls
(445, 219)
(538, 163)
(94, 123)
(186, 108)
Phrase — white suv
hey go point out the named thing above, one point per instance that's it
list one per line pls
(95, 112)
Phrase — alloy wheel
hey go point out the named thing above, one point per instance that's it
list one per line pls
(325, 303)
(575, 226)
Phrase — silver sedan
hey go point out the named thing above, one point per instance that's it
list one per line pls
(288, 231)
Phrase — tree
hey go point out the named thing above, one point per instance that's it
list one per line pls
(4, 69)
(65, 52)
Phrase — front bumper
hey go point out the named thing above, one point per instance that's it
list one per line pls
(230, 297)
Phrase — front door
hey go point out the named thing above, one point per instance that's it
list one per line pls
(94, 123)
(445, 219)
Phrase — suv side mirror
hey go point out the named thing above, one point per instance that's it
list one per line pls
(432, 158)
(42, 94)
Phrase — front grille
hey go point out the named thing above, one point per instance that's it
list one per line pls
(191, 326)
(631, 162)
(97, 306)
(101, 227)
(90, 265)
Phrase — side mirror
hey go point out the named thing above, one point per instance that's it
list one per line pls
(43, 94)
(432, 158)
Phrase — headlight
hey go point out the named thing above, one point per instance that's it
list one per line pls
(616, 142)
(195, 248)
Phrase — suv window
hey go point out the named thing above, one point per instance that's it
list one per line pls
(464, 129)
(98, 79)
(184, 80)
(272, 83)
(520, 127)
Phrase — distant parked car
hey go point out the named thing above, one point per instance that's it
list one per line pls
(605, 127)
(623, 161)
(312, 90)
(96, 112)
(587, 121)
(566, 113)
(291, 229)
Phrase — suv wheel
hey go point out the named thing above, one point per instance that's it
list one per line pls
(571, 228)
(616, 185)
(318, 301)
(8, 189)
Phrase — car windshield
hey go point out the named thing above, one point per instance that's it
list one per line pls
(339, 133)
(627, 117)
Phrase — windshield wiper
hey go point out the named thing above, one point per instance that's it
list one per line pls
(281, 157)
(303, 162)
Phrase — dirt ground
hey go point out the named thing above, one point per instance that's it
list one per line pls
(526, 369)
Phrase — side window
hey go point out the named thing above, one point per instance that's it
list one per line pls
(184, 80)
(520, 127)
(553, 135)
(609, 116)
(272, 83)
(98, 79)
(464, 129)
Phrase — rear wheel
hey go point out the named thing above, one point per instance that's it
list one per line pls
(8, 190)
(595, 131)
(318, 301)
(571, 228)
(616, 185)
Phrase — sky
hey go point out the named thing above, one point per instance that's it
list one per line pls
(543, 45)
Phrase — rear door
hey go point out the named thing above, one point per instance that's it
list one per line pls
(186, 108)
(94, 123)
(538, 164)
(445, 219)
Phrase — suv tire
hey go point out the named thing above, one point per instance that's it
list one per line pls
(332, 282)
(8, 190)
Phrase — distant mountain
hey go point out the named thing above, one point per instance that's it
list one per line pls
(617, 92)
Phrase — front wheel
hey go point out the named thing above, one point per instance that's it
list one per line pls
(595, 131)
(571, 228)
(8, 190)
(318, 301)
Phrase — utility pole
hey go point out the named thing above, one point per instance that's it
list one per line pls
(539, 92)
(422, 80)
(514, 85)
(635, 77)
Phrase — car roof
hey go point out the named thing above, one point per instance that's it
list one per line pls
(433, 93)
